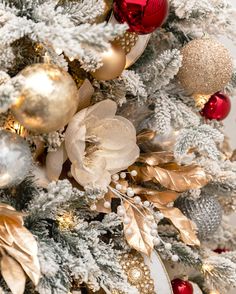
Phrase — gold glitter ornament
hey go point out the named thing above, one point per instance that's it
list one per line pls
(206, 67)
(47, 100)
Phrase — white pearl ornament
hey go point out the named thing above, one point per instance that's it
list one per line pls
(123, 175)
(137, 200)
(134, 173)
(115, 177)
(118, 187)
(168, 246)
(174, 258)
(127, 220)
(93, 207)
(156, 241)
(107, 204)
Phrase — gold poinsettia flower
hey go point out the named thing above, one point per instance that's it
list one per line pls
(18, 249)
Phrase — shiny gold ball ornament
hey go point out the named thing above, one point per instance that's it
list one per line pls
(47, 100)
(206, 67)
(113, 60)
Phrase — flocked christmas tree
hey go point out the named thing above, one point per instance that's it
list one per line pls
(115, 174)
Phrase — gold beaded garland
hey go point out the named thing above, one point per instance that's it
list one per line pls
(206, 67)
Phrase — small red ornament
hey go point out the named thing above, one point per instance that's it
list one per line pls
(181, 287)
(142, 16)
(221, 250)
(218, 107)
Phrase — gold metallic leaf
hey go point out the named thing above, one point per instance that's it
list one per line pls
(13, 274)
(18, 242)
(156, 158)
(30, 264)
(145, 135)
(186, 227)
(162, 197)
(140, 238)
(180, 179)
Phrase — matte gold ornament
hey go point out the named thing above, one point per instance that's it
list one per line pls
(113, 60)
(48, 99)
(206, 68)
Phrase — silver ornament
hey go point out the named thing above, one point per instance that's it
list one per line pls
(15, 159)
(205, 211)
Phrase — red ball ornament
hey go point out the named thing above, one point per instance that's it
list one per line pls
(181, 287)
(142, 16)
(221, 250)
(218, 107)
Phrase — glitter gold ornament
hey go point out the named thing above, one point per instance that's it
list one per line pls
(47, 100)
(206, 67)
(113, 60)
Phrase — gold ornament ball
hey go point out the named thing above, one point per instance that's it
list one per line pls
(206, 67)
(113, 60)
(48, 98)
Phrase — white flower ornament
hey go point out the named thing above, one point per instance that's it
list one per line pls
(100, 143)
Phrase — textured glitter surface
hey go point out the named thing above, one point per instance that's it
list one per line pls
(205, 211)
(206, 68)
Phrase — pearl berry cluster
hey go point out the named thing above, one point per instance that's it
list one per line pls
(127, 194)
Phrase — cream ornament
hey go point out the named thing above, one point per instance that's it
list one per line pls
(99, 144)
(159, 274)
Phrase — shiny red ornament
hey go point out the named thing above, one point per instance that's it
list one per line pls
(181, 287)
(221, 250)
(142, 16)
(218, 107)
